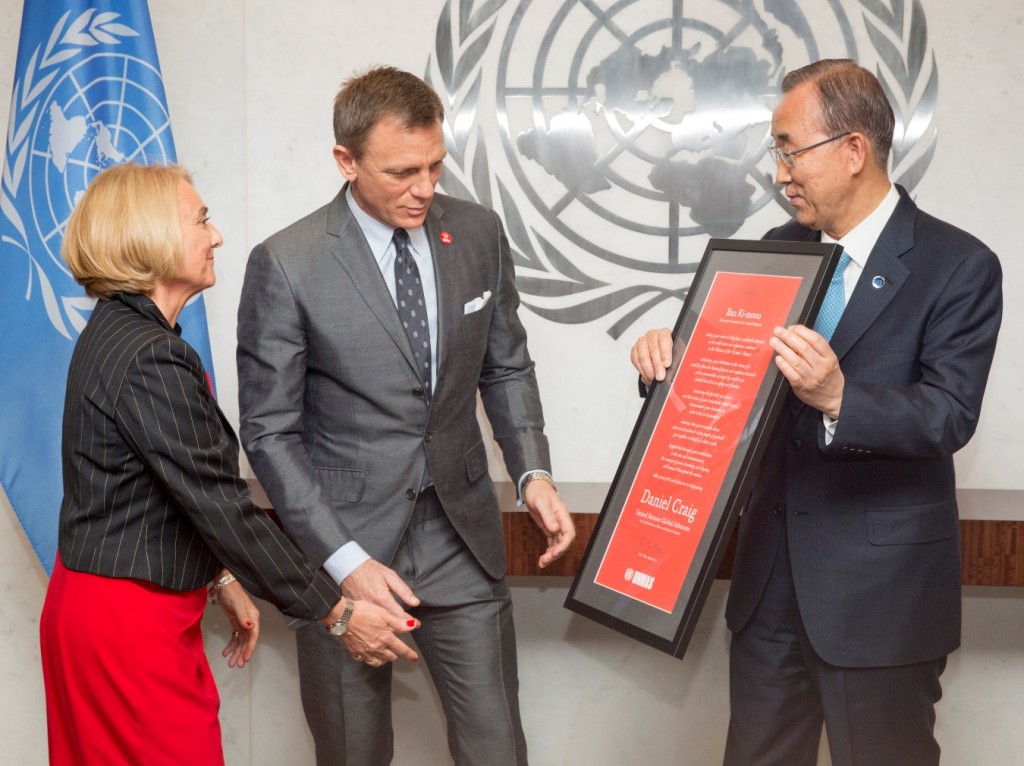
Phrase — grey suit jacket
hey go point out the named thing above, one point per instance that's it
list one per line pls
(871, 518)
(333, 416)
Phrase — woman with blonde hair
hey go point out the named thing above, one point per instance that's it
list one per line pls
(154, 508)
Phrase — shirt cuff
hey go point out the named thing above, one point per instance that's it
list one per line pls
(830, 428)
(344, 561)
(519, 485)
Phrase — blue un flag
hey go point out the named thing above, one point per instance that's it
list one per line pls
(88, 94)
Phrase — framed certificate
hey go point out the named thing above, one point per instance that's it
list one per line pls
(688, 467)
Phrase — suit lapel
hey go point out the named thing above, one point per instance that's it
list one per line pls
(445, 258)
(868, 301)
(883, 268)
(353, 255)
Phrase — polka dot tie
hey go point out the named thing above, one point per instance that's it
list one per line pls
(834, 303)
(412, 308)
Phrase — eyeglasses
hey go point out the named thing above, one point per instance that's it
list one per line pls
(789, 158)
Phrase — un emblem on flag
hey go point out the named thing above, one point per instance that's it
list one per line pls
(86, 101)
(103, 111)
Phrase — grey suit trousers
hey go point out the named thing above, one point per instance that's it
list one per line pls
(466, 638)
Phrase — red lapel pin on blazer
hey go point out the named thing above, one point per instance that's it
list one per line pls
(446, 238)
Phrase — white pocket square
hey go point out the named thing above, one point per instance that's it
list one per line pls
(477, 303)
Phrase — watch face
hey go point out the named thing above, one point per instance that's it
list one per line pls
(340, 626)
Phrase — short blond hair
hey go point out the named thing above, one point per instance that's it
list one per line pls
(125, 232)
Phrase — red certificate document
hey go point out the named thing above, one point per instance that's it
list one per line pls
(692, 445)
(692, 458)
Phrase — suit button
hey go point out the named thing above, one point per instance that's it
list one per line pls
(796, 444)
(410, 494)
(777, 510)
(430, 436)
(417, 392)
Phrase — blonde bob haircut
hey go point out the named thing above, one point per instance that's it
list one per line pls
(124, 235)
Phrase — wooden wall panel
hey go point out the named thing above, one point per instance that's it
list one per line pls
(992, 551)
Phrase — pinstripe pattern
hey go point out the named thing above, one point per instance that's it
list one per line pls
(151, 483)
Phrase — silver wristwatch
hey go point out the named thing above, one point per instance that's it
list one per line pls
(340, 626)
(534, 475)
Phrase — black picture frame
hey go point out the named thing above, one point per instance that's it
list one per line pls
(669, 629)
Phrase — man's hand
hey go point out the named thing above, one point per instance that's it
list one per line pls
(552, 516)
(377, 616)
(810, 365)
(652, 354)
(372, 632)
(377, 584)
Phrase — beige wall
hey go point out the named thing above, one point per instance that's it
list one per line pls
(249, 86)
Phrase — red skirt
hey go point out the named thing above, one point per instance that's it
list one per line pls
(127, 681)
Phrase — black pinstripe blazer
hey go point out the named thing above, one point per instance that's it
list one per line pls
(151, 483)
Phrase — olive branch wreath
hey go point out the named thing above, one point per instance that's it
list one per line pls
(902, 50)
(68, 39)
(462, 37)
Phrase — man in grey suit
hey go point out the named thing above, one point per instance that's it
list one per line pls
(365, 332)
(845, 596)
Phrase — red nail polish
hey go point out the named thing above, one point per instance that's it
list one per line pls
(410, 623)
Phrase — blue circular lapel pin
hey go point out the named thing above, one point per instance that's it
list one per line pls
(877, 282)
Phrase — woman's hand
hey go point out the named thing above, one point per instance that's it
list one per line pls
(245, 623)
(372, 635)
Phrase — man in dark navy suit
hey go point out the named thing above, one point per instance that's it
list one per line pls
(845, 597)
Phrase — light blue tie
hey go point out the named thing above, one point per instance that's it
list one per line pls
(834, 303)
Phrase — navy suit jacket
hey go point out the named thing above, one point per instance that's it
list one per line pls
(871, 518)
